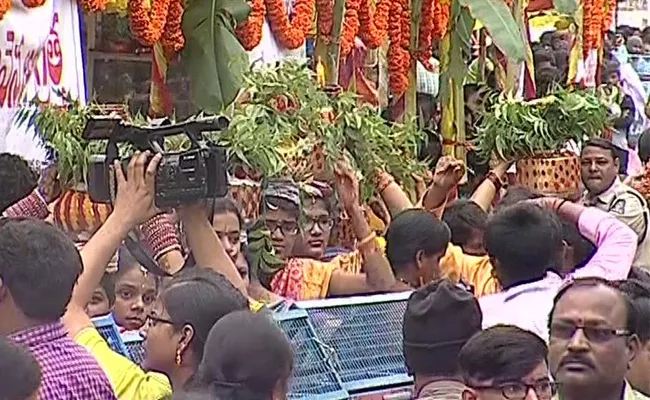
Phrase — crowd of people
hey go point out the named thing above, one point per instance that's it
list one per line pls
(515, 295)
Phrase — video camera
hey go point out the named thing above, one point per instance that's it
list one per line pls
(182, 177)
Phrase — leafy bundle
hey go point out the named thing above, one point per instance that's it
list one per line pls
(285, 117)
(514, 129)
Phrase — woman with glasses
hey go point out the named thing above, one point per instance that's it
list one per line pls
(181, 318)
(303, 278)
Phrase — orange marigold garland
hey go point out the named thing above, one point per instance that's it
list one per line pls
(172, 38)
(147, 24)
(597, 20)
(374, 26)
(350, 26)
(609, 15)
(5, 5)
(441, 13)
(93, 6)
(290, 34)
(250, 32)
(33, 3)
(425, 35)
(398, 55)
(587, 34)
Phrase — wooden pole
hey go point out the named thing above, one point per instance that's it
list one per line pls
(333, 52)
(410, 105)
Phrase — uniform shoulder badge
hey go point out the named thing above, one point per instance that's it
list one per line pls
(618, 206)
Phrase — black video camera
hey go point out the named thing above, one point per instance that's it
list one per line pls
(183, 177)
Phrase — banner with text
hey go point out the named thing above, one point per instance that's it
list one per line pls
(40, 55)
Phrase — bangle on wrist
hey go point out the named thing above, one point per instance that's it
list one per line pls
(371, 238)
(562, 202)
(495, 179)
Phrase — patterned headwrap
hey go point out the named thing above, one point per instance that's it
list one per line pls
(281, 189)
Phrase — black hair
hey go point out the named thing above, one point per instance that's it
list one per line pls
(18, 179)
(430, 148)
(20, 374)
(412, 231)
(639, 274)
(108, 284)
(501, 354)
(225, 205)
(125, 262)
(583, 249)
(516, 194)
(593, 282)
(525, 240)
(470, 89)
(639, 294)
(547, 80)
(246, 357)
(462, 218)
(610, 67)
(546, 38)
(601, 144)
(644, 146)
(281, 204)
(39, 265)
(544, 54)
(200, 297)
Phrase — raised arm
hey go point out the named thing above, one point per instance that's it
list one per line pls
(616, 243)
(378, 275)
(206, 246)
(488, 189)
(134, 204)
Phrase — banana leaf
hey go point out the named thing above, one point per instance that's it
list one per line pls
(213, 57)
(500, 24)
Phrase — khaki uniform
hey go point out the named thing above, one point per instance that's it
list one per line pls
(630, 208)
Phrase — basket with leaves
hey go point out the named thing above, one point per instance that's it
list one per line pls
(536, 133)
(61, 128)
(286, 126)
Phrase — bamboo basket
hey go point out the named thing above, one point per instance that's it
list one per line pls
(74, 212)
(557, 175)
(247, 193)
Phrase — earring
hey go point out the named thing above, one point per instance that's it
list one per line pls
(179, 360)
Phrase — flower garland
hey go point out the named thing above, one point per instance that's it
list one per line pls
(424, 51)
(290, 34)
(374, 26)
(147, 24)
(597, 22)
(5, 5)
(33, 3)
(441, 13)
(350, 26)
(609, 16)
(588, 39)
(93, 6)
(250, 32)
(172, 38)
(398, 55)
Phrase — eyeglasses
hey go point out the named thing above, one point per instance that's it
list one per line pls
(597, 335)
(322, 222)
(152, 320)
(286, 227)
(545, 390)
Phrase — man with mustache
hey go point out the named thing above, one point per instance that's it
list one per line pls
(591, 343)
(605, 191)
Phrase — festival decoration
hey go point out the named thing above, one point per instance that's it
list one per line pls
(290, 34)
(250, 32)
(536, 133)
(147, 23)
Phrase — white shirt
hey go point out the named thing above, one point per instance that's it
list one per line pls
(528, 305)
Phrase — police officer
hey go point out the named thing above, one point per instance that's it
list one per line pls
(599, 167)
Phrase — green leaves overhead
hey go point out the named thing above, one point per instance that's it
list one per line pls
(568, 7)
(499, 22)
(512, 129)
(213, 57)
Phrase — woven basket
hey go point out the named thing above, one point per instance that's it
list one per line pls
(557, 175)
(247, 193)
(74, 212)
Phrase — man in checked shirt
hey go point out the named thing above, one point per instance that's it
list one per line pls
(39, 267)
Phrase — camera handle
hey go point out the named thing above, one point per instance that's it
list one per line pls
(131, 242)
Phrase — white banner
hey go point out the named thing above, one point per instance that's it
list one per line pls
(40, 54)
